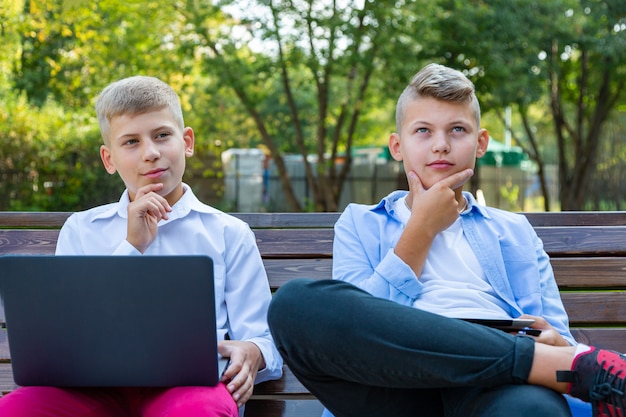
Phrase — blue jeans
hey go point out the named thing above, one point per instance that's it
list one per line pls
(366, 356)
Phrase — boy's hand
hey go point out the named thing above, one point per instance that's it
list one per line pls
(432, 211)
(144, 213)
(548, 336)
(245, 361)
(436, 206)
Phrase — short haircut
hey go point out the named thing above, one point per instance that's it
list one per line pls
(133, 96)
(441, 83)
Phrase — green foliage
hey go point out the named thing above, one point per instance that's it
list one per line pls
(566, 57)
(70, 50)
(510, 194)
(299, 76)
(309, 75)
(50, 159)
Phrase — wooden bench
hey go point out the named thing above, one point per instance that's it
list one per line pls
(588, 251)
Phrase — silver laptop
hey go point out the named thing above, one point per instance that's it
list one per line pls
(91, 321)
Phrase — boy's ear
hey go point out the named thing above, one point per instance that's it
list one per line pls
(394, 146)
(105, 155)
(483, 142)
(189, 139)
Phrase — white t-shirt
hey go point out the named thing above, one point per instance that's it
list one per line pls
(454, 282)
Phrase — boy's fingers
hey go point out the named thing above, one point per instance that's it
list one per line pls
(453, 181)
(160, 202)
(415, 184)
(147, 189)
(457, 180)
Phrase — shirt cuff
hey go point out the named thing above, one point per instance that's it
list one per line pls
(125, 248)
(399, 275)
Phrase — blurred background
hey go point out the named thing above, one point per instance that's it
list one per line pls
(292, 102)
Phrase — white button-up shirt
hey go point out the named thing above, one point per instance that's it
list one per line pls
(242, 293)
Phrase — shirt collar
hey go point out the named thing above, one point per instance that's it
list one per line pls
(187, 203)
(387, 204)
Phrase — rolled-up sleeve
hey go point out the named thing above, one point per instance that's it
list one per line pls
(368, 264)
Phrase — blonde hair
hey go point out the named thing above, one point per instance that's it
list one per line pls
(441, 83)
(133, 96)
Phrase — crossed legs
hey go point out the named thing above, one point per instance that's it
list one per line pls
(363, 355)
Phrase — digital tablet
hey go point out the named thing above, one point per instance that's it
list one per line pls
(508, 325)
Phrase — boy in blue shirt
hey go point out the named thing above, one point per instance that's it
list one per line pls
(385, 339)
(147, 143)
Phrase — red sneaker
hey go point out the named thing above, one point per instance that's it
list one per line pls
(598, 376)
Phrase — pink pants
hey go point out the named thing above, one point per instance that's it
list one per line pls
(119, 402)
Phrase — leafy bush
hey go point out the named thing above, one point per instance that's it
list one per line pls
(49, 158)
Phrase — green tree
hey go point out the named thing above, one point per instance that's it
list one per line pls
(568, 51)
(70, 50)
(49, 158)
(61, 54)
(303, 70)
(586, 72)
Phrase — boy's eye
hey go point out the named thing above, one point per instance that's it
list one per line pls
(162, 135)
(458, 129)
(421, 130)
(131, 142)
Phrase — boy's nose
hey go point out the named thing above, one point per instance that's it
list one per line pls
(150, 151)
(441, 143)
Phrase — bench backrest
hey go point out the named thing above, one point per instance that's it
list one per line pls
(587, 249)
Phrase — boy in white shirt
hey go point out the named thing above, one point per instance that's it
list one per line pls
(146, 143)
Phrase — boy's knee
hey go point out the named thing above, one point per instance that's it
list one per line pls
(289, 292)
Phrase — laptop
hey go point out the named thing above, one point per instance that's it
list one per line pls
(96, 321)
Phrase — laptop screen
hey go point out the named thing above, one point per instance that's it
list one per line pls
(110, 320)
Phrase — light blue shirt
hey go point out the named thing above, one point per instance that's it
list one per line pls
(242, 292)
(506, 246)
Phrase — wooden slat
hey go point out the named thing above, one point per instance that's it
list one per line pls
(607, 338)
(558, 240)
(279, 271)
(577, 218)
(288, 385)
(587, 240)
(14, 219)
(579, 272)
(6, 378)
(309, 243)
(291, 408)
(288, 220)
(4, 344)
(28, 242)
(298, 243)
(312, 243)
(595, 307)
(280, 220)
(32, 219)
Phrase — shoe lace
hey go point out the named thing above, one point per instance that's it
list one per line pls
(607, 391)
